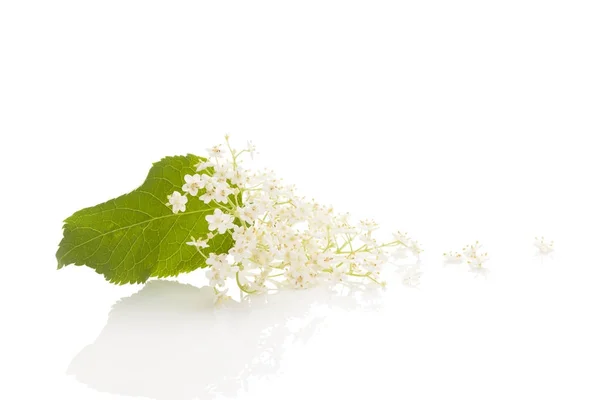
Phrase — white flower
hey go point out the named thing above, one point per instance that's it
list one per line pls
(271, 187)
(402, 237)
(240, 252)
(368, 225)
(177, 201)
(220, 269)
(218, 261)
(215, 278)
(325, 260)
(220, 221)
(238, 177)
(543, 246)
(367, 239)
(198, 243)
(453, 257)
(471, 250)
(192, 184)
(249, 213)
(202, 165)
(224, 171)
(209, 195)
(478, 260)
(222, 192)
(406, 246)
(300, 277)
(215, 151)
(474, 257)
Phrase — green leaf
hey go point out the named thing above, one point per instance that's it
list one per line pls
(136, 236)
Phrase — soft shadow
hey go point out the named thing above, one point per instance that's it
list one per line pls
(169, 342)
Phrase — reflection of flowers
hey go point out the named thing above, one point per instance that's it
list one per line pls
(479, 271)
(168, 342)
(412, 276)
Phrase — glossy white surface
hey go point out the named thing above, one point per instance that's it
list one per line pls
(454, 121)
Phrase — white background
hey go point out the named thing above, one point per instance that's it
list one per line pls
(456, 121)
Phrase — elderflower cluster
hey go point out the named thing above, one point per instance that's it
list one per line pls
(279, 239)
(472, 254)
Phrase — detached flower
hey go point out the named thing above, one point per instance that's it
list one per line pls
(477, 260)
(177, 201)
(543, 246)
(473, 255)
(453, 257)
(470, 253)
(471, 250)
(199, 243)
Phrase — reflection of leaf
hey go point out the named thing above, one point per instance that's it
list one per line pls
(168, 342)
(136, 236)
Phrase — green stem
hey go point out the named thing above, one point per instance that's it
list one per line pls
(237, 279)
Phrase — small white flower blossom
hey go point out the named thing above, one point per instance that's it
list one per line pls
(544, 247)
(471, 250)
(177, 201)
(220, 221)
(402, 237)
(222, 192)
(218, 261)
(216, 151)
(478, 260)
(368, 225)
(240, 252)
(202, 165)
(453, 257)
(406, 246)
(192, 184)
(198, 243)
(215, 278)
(367, 239)
(209, 195)
(248, 213)
(474, 257)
